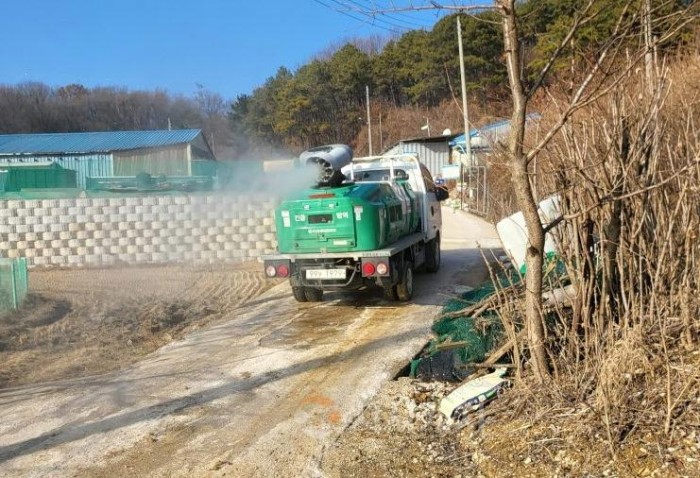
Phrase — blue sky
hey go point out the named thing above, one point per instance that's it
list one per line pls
(228, 46)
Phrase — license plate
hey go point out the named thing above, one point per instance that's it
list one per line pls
(325, 274)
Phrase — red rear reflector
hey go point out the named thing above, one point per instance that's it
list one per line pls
(368, 269)
(282, 270)
(322, 196)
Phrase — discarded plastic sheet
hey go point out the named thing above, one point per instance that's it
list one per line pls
(513, 232)
(473, 395)
(561, 296)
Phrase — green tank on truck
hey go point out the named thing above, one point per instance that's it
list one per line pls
(369, 222)
(353, 217)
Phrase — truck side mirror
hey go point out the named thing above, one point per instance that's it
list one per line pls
(441, 193)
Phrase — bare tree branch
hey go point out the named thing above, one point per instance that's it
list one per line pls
(612, 197)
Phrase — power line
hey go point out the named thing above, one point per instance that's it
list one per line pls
(374, 18)
(407, 21)
(342, 12)
(430, 5)
(383, 9)
(384, 20)
(394, 17)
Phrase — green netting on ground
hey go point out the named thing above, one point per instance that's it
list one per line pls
(14, 283)
(480, 335)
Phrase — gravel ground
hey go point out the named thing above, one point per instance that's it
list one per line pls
(399, 434)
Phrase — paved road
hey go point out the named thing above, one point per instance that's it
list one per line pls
(259, 395)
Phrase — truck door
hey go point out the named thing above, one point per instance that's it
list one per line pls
(434, 213)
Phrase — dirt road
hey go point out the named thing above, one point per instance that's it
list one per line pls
(262, 393)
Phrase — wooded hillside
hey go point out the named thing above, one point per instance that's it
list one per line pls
(413, 78)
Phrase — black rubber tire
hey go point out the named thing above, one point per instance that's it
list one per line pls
(299, 294)
(390, 293)
(404, 289)
(313, 294)
(432, 255)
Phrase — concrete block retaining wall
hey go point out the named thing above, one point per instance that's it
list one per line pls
(137, 230)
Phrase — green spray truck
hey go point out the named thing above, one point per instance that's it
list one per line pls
(369, 222)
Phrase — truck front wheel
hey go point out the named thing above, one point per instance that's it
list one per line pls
(432, 255)
(404, 289)
(299, 293)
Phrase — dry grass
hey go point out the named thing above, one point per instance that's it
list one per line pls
(624, 398)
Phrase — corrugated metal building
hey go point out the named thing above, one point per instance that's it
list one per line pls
(114, 153)
(483, 139)
(433, 151)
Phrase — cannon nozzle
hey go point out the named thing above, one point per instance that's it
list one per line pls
(329, 160)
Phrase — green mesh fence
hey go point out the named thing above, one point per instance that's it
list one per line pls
(29, 194)
(14, 283)
(146, 183)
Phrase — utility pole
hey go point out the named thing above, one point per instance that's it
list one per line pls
(369, 120)
(465, 112)
(381, 135)
(427, 126)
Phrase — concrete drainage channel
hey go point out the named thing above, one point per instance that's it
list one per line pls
(442, 389)
(441, 366)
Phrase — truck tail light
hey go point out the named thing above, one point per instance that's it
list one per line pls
(368, 269)
(382, 269)
(277, 270)
(282, 270)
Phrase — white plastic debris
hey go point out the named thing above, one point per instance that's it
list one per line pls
(473, 395)
(513, 232)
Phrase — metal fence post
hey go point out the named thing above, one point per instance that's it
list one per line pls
(14, 286)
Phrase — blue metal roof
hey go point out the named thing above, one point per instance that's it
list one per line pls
(98, 142)
(491, 132)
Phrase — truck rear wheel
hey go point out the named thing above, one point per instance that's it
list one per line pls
(404, 289)
(314, 295)
(299, 293)
(432, 255)
(390, 293)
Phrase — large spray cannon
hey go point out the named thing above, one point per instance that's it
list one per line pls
(329, 160)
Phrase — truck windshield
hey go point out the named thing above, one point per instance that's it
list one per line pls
(380, 175)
